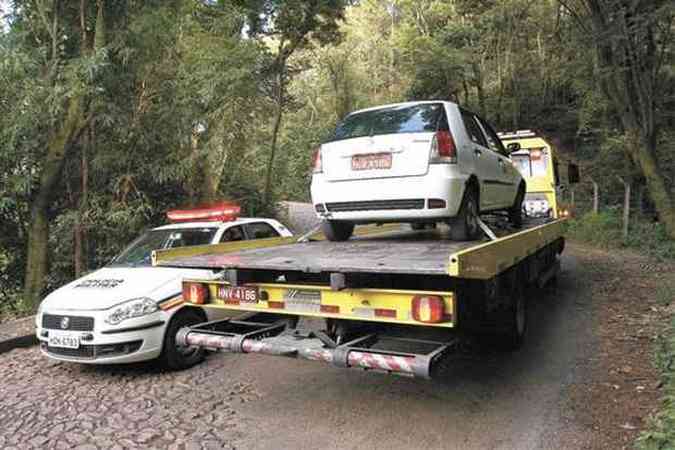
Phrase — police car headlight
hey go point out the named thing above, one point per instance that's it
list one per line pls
(133, 308)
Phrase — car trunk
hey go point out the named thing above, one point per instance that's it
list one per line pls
(390, 155)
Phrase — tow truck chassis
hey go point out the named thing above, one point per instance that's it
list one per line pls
(273, 335)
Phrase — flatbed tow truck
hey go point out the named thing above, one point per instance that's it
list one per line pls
(390, 299)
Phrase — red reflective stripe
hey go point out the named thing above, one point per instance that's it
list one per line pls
(277, 305)
(330, 309)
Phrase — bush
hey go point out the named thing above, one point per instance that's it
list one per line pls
(605, 230)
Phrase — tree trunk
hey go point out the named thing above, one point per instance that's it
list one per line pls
(658, 191)
(275, 134)
(79, 238)
(595, 197)
(626, 209)
(38, 233)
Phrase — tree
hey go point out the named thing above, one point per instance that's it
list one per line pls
(289, 26)
(633, 40)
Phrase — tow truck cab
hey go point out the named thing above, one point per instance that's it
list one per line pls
(538, 163)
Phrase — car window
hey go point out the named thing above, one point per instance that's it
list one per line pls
(235, 233)
(392, 120)
(260, 230)
(138, 252)
(493, 140)
(473, 130)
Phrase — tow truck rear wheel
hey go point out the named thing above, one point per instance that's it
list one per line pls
(515, 317)
(337, 230)
(516, 211)
(178, 357)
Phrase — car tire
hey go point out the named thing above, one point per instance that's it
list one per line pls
(516, 211)
(464, 226)
(516, 320)
(337, 230)
(175, 357)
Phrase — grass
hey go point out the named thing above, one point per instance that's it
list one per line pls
(661, 432)
(604, 230)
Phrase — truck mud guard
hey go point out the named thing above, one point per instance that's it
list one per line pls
(274, 335)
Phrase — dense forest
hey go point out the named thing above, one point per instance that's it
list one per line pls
(113, 111)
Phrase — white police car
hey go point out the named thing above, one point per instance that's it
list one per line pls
(130, 311)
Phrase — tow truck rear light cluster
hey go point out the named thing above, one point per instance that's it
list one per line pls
(196, 293)
(217, 212)
(428, 308)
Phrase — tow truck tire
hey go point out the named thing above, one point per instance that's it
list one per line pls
(515, 328)
(464, 226)
(175, 357)
(336, 230)
(516, 211)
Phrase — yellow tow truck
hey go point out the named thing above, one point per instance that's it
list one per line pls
(391, 299)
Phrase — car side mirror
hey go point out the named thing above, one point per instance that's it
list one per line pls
(513, 147)
(572, 173)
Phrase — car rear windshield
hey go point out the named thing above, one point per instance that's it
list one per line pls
(393, 120)
(138, 252)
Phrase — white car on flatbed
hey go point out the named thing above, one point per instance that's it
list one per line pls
(129, 311)
(417, 162)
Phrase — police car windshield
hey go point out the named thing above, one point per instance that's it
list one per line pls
(138, 252)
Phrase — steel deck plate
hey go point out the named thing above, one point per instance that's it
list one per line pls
(405, 252)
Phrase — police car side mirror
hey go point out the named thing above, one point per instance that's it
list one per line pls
(513, 147)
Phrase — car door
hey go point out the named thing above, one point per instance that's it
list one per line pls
(485, 161)
(506, 176)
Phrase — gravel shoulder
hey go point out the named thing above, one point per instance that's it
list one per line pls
(583, 380)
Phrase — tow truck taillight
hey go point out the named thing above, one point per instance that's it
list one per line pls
(317, 164)
(216, 212)
(428, 308)
(443, 149)
(197, 293)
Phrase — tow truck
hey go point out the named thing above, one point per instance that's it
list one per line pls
(391, 299)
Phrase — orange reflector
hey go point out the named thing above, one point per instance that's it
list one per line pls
(428, 308)
(330, 309)
(276, 305)
(196, 293)
(391, 313)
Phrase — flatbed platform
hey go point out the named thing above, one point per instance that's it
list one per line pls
(402, 251)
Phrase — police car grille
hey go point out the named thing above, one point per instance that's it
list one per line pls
(85, 351)
(75, 323)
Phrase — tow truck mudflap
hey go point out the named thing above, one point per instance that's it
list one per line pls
(372, 351)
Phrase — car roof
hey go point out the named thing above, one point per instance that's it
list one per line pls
(239, 221)
(393, 105)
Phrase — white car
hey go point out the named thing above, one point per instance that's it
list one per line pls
(130, 311)
(416, 162)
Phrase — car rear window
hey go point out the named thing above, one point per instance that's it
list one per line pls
(422, 118)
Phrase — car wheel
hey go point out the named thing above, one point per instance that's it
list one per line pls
(516, 211)
(337, 231)
(464, 227)
(178, 357)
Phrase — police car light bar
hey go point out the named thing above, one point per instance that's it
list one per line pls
(217, 212)
(516, 134)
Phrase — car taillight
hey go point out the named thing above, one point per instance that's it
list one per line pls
(317, 164)
(443, 149)
(428, 308)
(197, 293)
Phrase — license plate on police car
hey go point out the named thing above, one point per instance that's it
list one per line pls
(64, 340)
(238, 294)
(372, 161)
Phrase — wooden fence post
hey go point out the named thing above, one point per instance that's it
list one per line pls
(626, 207)
(595, 197)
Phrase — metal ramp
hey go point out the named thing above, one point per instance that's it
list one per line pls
(272, 334)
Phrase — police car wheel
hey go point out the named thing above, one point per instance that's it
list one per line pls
(177, 357)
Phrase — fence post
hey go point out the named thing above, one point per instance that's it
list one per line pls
(626, 207)
(595, 197)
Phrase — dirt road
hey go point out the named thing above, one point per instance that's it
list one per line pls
(559, 391)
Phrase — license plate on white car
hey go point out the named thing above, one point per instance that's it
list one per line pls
(64, 339)
(371, 161)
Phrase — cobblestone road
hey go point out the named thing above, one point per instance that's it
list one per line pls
(45, 404)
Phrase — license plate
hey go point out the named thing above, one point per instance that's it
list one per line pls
(373, 161)
(63, 340)
(239, 294)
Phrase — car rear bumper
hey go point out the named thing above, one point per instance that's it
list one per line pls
(434, 196)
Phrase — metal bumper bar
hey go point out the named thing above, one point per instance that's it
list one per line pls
(394, 355)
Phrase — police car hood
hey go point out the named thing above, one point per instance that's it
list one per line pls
(111, 286)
